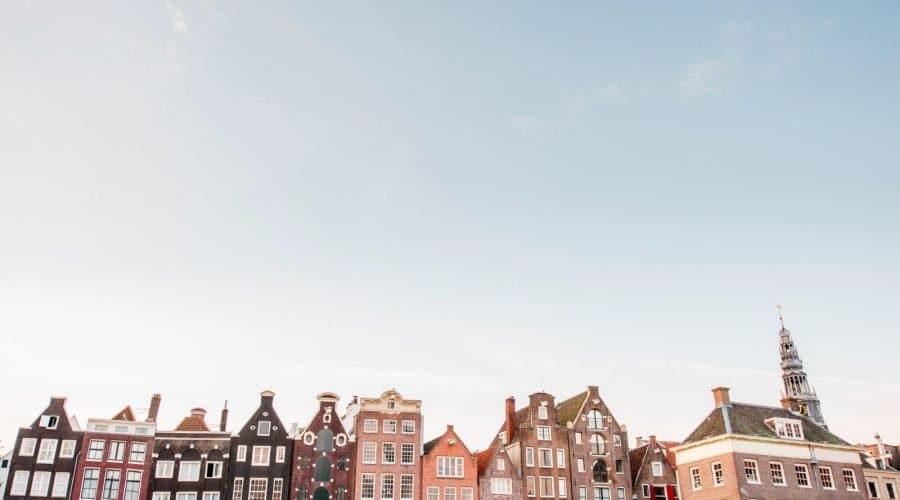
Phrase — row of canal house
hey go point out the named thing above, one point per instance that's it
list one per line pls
(574, 449)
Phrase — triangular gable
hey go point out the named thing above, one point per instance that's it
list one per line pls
(126, 414)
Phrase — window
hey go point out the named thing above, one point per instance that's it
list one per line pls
(137, 453)
(529, 457)
(617, 440)
(20, 482)
(164, 468)
(370, 426)
(391, 405)
(257, 490)
(47, 453)
(210, 495)
(264, 428)
(561, 487)
(238, 491)
(49, 422)
(407, 453)
(388, 453)
(620, 466)
(777, 471)
(408, 427)
(387, 486)
(787, 428)
(621, 494)
(595, 420)
(323, 470)
(132, 485)
(501, 486)
(501, 464)
(449, 493)
(367, 490)
(601, 493)
(657, 469)
(891, 492)
(577, 438)
(341, 493)
(26, 449)
(325, 440)
(95, 449)
(189, 471)
(545, 457)
(434, 493)
(241, 453)
(659, 492)
(542, 412)
(111, 484)
(600, 472)
(545, 486)
(873, 489)
(825, 478)
(582, 493)
(561, 458)
(213, 470)
(261, 456)
(67, 450)
(645, 490)
(369, 450)
(406, 487)
(802, 475)
(530, 486)
(277, 488)
(116, 451)
(598, 446)
(40, 483)
(60, 485)
(695, 479)
(389, 427)
(850, 479)
(543, 433)
(449, 467)
(279, 454)
(186, 495)
(161, 495)
(466, 494)
(718, 474)
(580, 464)
(751, 471)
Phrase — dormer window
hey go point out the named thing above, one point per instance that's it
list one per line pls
(49, 421)
(263, 428)
(786, 428)
(391, 405)
(542, 412)
(595, 420)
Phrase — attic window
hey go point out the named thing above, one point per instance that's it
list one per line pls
(264, 428)
(49, 421)
(786, 428)
(542, 412)
(391, 405)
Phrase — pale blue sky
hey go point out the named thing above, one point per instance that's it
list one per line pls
(464, 201)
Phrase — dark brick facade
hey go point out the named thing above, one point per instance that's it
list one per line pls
(498, 477)
(261, 457)
(323, 456)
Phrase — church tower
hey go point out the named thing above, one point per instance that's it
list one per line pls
(797, 395)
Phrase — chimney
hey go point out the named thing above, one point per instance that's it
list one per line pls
(154, 407)
(223, 420)
(652, 442)
(266, 396)
(882, 451)
(510, 418)
(199, 413)
(721, 396)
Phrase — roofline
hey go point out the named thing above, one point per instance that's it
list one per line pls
(744, 437)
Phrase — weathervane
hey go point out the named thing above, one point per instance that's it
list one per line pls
(780, 318)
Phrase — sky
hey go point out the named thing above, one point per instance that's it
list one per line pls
(463, 201)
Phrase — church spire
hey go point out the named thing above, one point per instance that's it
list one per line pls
(797, 395)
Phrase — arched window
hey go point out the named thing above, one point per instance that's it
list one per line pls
(302, 494)
(598, 445)
(341, 493)
(325, 440)
(601, 472)
(320, 494)
(595, 420)
(323, 470)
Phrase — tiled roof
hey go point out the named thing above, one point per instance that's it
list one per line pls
(484, 457)
(430, 444)
(567, 411)
(635, 459)
(750, 420)
(125, 414)
(192, 423)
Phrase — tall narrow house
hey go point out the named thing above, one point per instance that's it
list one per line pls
(388, 432)
(191, 461)
(323, 456)
(449, 469)
(44, 455)
(116, 461)
(261, 460)
(498, 478)
(797, 394)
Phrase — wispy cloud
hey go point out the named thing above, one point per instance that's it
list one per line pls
(705, 77)
(525, 122)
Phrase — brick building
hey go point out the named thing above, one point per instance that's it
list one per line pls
(191, 461)
(5, 460)
(598, 448)
(449, 469)
(498, 477)
(653, 473)
(116, 458)
(323, 456)
(745, 451)
(44, 455)
(880, 470)
(260, 464)
(388, 431)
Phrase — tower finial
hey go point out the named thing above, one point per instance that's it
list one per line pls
(780, 317)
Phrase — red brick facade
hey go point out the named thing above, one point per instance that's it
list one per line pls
(449, 469)
(323, 456)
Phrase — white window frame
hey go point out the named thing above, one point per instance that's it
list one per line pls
(264, 424)
(369, 449)
(165, 468)
(211, 495)
(561, 458)
(27, 448)
(237, 491)
(364, 478)
(408, 427)
(265, 451)
(696, 479)
(542, 412)
(432, 493)
(241, 453)
(544, 433)
(20, 483)
(645, 490)
(40, 483)
(779, 467)
(718, 473)
(805, 468)
(449, 466)
(49, 421)
(530, 487)
(389, 426)
(185, 495)
(119, 448)
(579, 464)
(501, 486)
(449, 493)
(265, 487)
(60, 485)
(47, 451)
(529, 456)
(388, 449)
(407, 449)
(829, 477)
(546, 481)
(189, 471)
(387, 482)
(561, 489)
(751, 465)
(161, 495)
(277, 488)
(142, 452)
(411, 479)
(67, 449)
(217, 465)
(850, 481)
(500, 464)
(370, 426)
(577, 438)
(280, 452)
(656, 468)
(545, 457)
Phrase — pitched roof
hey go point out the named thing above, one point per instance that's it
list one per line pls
(126, 414)
(636, 459)
(430, 444)
(567, 411)
(750, 420)
(192, 423)
(484, 457)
